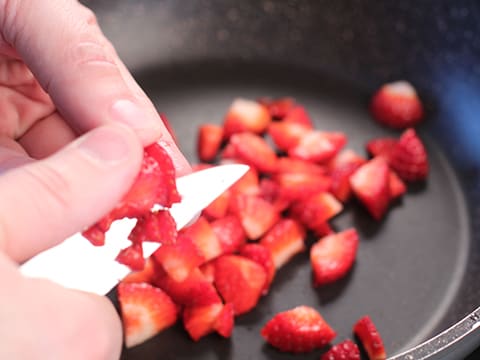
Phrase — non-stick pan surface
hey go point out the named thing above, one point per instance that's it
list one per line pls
(416, 270)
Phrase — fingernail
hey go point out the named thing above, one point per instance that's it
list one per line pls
(105, 146)
(129, 113)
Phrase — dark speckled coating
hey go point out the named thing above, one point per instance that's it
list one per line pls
(417, 272)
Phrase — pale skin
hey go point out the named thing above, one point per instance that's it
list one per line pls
(73, 123)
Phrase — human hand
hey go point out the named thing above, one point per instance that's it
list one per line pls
(60, 78)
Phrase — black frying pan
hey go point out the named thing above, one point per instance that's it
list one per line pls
(417, 271)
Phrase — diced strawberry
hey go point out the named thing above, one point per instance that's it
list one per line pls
(396, 185)
(200, 321)
(381, 147)
(179, 259)
(347, 157)
(239, 281)
(299, 330)
(316, 209)
(218, 208)
(409, 158)
(346, 350)
(230, 233)
(370, 183)
(132, 256)
(370, 338)
(290, 165)
(286, 135)
(95, 234)
(278, 108)
(298, 115)
(284, 240)
(253, 150)
(158, 226)
(224, 323)
(209, 140)
(145, 275)
(168, 126)
(195, 290)
(146, 311)
(262, 256)
(397, 105)
(271, 191)
(318, 146)
(341, 168)
(247, 184)
(247, 208)
(204, 238)
(333, 256)
(208, 271)
(246, 115)
(299, 185)
(322, 229)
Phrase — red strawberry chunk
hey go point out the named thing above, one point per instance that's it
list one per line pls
(286, 135)
(200, 321)
(346, 350)
(230, 233)
(290, 165)
(204, 238)
(371, 185)
(298, 115)
(218, 208)
(409, 158)
(247, 184)
(247, 208)
(318, 146)
(239, 281)
(145, 275)
(396, 185)
(224, 323)
(284, 240)
(298, 185)
(333, 256)
(195, 290)
(146, 311)
(316, 209)
(271, 191)
(341, 167)
(397, 105)
(246, 115)
(208, 271)
(370, 338)
(253, 150)
(278, 108)
(95, 234)
(158, 226)
(209, 140)
(132, 256)
(179, 259)
(262, 256)
(381, 147)
(299, 330)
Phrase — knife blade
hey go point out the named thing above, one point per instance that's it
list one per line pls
(76, 263)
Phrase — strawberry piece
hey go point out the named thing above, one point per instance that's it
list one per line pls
(247, 184)
(278, 108)
(271, 191)
(145, 275)
(253, 150)
(247, 208)
(396, 185)
(95, 234)
(204, 238)
(195, 290)
(209, 140)
(286, 135)
(381, 147)
(208, 271)
(370, 338)
(218, 208)
(409, 157)
(132, 256)
(262, 256)
(341, 168)
(298, 185)
(224, 323)
(291, 165)
(316, 209)
(158, 226)
(397, 105)
(200, 321)
(322, 229)
(333, 256)
(230, 233)
(299, 115)
(179, 259)
(245, 116)
(146, 311)
(239, 281)
(370, 183)
(299, 330)
(347, 157)
(284, 240)
(318, 146)
(346, 350)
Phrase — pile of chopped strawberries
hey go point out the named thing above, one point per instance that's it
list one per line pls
(300, 178)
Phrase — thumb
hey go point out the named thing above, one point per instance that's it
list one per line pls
(46, 201)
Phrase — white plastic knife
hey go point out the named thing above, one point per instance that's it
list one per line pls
(77, 264)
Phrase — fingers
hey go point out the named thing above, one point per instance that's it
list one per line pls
(46, 201)
(79, 68)
(56, 323)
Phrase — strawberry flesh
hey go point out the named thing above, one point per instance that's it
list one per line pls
(346, 350)
(372, 342)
